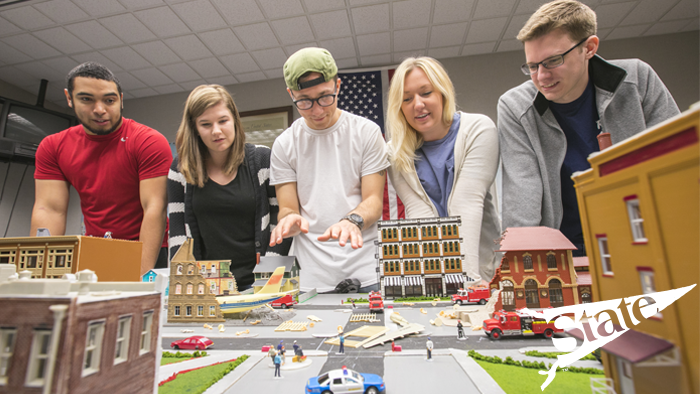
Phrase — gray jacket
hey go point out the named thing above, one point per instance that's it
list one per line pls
(630, 98)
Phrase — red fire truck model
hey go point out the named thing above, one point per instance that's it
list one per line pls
(285, 302)
(517, 323)
(376, 304)
(472, 294)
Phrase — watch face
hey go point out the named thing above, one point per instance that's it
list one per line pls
(357, 218)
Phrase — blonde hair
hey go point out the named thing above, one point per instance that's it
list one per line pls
(572, 17)
(191, 151)
(404, 138)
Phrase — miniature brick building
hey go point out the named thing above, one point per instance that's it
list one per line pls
(537, 269)
(267, 265)
(640, 215)
(420, 257)
(583, 279)
(190, 298)
(77, 337)
(51, 257)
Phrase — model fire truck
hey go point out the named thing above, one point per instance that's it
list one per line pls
(376, 304)
(472, 294)
(517, 323)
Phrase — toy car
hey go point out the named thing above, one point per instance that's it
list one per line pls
(472, 294)
(285, 302)
(196, 342)
(345, 381)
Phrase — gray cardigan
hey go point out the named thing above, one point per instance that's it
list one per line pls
(630, 97)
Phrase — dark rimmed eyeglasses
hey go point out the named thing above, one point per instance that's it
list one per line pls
(552, 62)
(324, 101)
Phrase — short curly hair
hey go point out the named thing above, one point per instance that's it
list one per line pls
(91, 70)
(572, 17)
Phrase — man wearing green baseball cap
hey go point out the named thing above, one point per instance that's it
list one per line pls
(328, 169)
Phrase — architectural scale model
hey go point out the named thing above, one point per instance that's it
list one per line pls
(641, 224)
(266, 265)
(62, 336)
(420, 257)
(51, 257)
(152, 274)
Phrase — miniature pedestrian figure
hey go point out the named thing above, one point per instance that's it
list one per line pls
(429, 349)
(280, 348)
(272, 353)
(298, 352)
(460, 330)
(295, 346)
(278, 363)
(353, 303)
(342, 343)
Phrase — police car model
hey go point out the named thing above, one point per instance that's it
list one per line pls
(345, 380)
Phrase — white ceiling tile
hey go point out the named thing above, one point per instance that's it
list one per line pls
(627, 31)
(62, 40)
(162, 21)
(486, 30)
(412, 39)
(447, 11)
(340, 48)
(168, 89)
(42, 71)
(331, 24)
(251, 77)
(411, 13)
(444, 53)
(94, 34)
(210, 67)
(272, 74)
(344, 64)
(190, 85)
(270, 58)
(61, 11)
(376, 60)
(373, 44)
(129, 82)
(96, 57)
(290, 49)
(16, 76)
(222, 42)
(665, 28)
(240, 63)
(100, 7)
(145, 92)
(152, 77)
(493, 8)
(258, 36)
(156, 52)
(281, 9)
(693, 25)
(8, 28)
(322, 5)
(528, 7)
(200, 15)
(10, 55)
(362, 2)
(400, 56)
(445, 35)
(371, 19)
(61, 64)
(223, 81)
(27, 18)
(609, 15)
(293, 30)
(180, 72)
(647, 11)
(127, 28)
(478, 49)
(510, 45)
(684, 9)
(516, 24)
(126, 58)
(238, 12)
(188, 47)
(31, 45)
(138, 4)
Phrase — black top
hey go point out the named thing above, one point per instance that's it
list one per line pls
(216, 208)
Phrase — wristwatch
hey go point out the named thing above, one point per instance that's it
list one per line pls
(355, 219)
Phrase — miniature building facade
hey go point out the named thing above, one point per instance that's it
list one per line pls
(62, 337)
(537, 269)
(152, 274)
(420, 257)
(189, 297)
(267, 265)
(217, 276)
(583, 279)
(641, 224)
(52, 257)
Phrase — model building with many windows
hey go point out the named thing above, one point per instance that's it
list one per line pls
(420, 257)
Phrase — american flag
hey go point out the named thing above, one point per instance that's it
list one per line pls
(362, 93)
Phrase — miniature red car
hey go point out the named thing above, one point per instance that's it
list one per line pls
(196, 342)
(516, 323)
(376, 304)
(472, 294)
(284, 302)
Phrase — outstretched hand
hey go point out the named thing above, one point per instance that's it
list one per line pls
(289, 226)
(342, 231)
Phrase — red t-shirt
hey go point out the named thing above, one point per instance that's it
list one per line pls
(105, 170)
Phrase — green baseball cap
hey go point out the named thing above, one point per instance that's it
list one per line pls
(309, 60)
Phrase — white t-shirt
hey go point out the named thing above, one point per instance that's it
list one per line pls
(328, 166)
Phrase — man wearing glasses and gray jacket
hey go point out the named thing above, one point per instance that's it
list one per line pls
(548, 126)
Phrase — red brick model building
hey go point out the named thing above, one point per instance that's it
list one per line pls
(537, 269)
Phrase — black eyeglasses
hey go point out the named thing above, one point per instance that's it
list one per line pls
(324, 101)
(552, 62)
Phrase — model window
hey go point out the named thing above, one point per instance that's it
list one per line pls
(385, 253)
(93, 347)
(7, 346)
(551, 261)
(556, 297)
(31, 259)
(190, 287)
(203, 269)
(403, 233)
(212, 310)
(396, 250)
(605, 259)
(177, 310)
(527, 262)
(39, 357)
(190, 269)
(459, 264)
(405, 249)
(507, 293)
(200, 288)
(636, 220)
(146, 328)
(179, 269)
(188, 310)
(121, 350)
(212, 288)
(505, 265)
(384, 233)
(532, 299)
(414, 232)
(200, 310)
(7, 256)
(646, 276)
(178, 288)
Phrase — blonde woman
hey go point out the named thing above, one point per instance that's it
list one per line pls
(218, 187)
(443, 162)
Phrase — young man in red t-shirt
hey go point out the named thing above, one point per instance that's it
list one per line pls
(118, 167)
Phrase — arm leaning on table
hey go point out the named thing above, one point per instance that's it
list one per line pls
(153, 196)
(50, 206)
